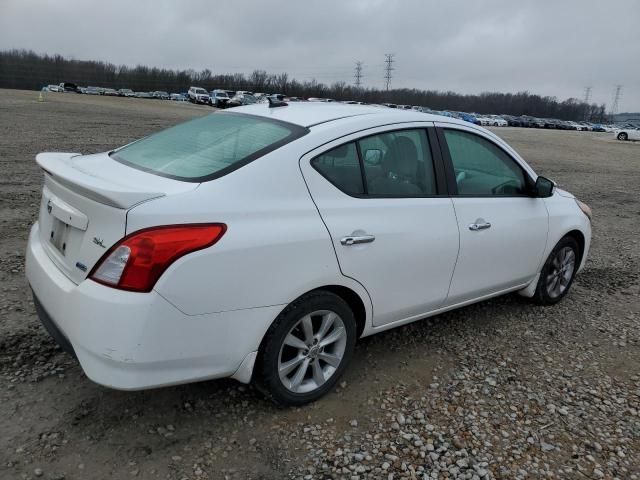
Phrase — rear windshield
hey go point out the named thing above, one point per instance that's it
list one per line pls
(208, 147)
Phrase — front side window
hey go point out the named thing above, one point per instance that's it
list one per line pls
(208, 147)
(483, 168)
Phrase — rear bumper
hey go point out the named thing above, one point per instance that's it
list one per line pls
(133, 341)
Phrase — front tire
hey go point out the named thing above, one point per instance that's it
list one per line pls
(558, 272)
(622, 136)
(306, 350)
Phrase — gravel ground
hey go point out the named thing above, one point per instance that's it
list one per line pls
(500, 389)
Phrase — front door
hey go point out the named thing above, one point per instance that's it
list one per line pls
(503, 229)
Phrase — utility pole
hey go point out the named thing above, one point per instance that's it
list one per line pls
(587, 99)
(617, 94)
(357, 76)
(388, 68)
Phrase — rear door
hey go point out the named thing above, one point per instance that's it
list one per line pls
(381, 195)
(503, 229)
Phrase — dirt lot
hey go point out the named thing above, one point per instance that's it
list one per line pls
(501, 389)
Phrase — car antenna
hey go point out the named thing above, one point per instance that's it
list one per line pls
(273, 103)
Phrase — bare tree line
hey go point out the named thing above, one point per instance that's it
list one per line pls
(28, 70)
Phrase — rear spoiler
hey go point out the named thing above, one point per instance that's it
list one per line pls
(59, 167)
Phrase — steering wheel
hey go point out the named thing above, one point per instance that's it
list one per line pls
(498, 188)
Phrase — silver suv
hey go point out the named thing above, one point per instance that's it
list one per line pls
(198, 95)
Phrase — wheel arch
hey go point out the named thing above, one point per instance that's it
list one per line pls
(578, 236)
(354, 301)
(362, 315)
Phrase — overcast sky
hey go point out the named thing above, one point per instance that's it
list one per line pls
(549, 47)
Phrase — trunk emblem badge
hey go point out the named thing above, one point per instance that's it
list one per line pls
(49, 206)
(81, 266)
(98, 241)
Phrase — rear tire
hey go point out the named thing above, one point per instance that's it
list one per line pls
(558, 272)
(306, 350)
(622, 136)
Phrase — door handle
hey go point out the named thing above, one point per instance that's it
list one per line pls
(356, 239)
(479, 226)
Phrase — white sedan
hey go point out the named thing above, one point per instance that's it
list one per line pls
(627, 133)
(261, 243)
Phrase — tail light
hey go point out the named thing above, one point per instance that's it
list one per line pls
(137, 261)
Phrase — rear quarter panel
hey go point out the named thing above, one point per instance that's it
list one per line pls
(275, 249)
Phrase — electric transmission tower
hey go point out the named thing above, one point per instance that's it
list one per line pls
(388, 68)
(357, 76)
(617, 94)
(587, 99)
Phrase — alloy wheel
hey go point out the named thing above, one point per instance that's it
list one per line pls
(563, 266)
(312, 351)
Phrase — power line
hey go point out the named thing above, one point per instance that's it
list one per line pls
(617, 94)
(388, 68)
(357, 76)
(587, 99)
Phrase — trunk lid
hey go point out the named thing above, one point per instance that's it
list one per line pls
(85, 200)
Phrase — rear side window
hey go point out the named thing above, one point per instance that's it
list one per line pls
(342, 168)
(390, 164)
(398, 164)
(208, 147)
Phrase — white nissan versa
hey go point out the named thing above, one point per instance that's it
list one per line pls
(261, 242)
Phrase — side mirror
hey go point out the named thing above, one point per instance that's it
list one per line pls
(373, 157)
(543, 187)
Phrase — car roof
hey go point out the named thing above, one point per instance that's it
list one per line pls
(309, 114)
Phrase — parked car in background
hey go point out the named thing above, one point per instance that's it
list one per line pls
(126, 92)
(241, 99)
(198, 95)
(54, 88)
(69, 87)
(538, 122)
(483, 120)
(257, 248)
(178, 97)
(513, 121)
(160, 95)
(92, 91)
(467, 117)
(219, 98)
(627, 133)
(496, 121)
(577, 126)
(110, 92)
(143, 95)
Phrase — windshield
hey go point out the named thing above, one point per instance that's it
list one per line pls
(201, 90)
(208, 147)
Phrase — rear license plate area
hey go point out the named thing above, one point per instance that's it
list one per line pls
(59, 235)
